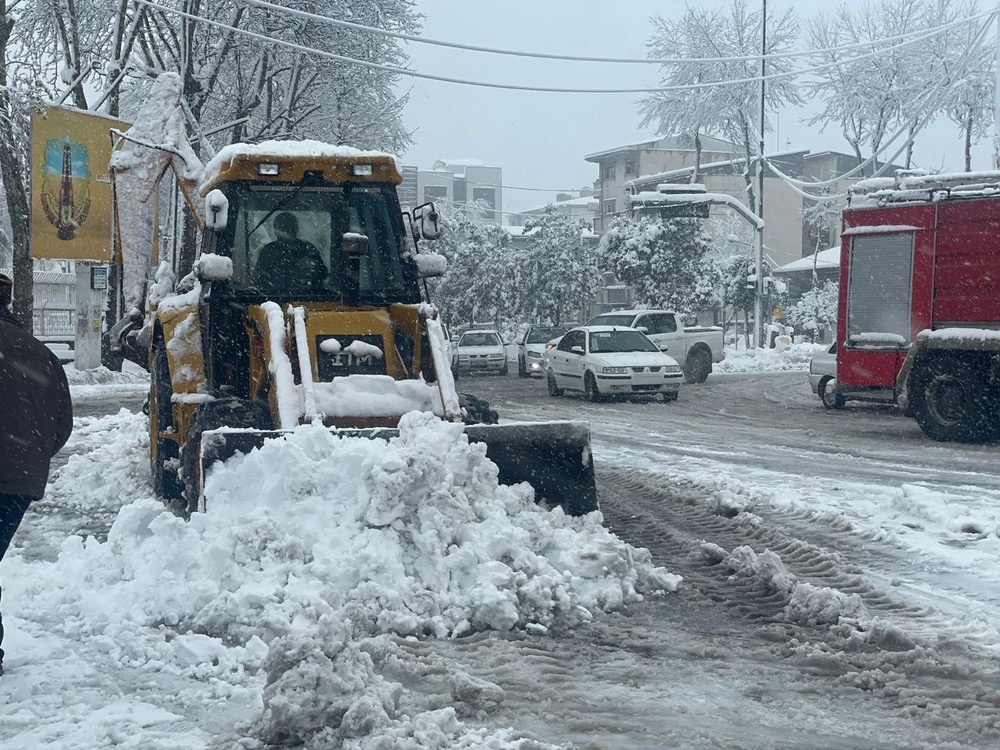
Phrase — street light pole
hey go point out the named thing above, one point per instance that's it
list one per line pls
(759, 296)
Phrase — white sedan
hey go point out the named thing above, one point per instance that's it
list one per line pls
(479, 351)
(611, 360)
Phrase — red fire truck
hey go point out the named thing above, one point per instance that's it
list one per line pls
(919, 314)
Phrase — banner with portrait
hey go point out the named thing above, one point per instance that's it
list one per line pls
(70, 184)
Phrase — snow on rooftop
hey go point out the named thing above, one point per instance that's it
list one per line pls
(824, 259)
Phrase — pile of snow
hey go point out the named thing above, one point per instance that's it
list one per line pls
(791, 357)
(315, 554)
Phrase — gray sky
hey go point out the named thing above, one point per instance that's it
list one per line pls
(540, 139)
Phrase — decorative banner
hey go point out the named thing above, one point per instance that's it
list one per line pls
(70, 184)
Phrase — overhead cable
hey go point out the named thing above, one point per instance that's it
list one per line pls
(584, 58)
(514, 87)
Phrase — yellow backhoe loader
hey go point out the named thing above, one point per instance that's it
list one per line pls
(304, 303)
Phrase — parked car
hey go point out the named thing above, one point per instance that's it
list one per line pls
(609, 360)
(531, 349)
(479, 351)
(823, 378)
(696, 348)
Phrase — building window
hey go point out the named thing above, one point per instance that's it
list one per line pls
(617, 295)
(486, 195)
(609, 206)
(432, 192)
(609, 171)
(630, 168)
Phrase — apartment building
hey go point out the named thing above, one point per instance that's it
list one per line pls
(454, 182)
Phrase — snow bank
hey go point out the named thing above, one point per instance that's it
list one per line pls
(313, 549)
(103, 376)
(793, 357)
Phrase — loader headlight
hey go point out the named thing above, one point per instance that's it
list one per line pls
(361, 170)
(269, 169)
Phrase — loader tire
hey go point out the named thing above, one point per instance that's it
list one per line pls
(476, 411)
(163, 453)
(223, 412)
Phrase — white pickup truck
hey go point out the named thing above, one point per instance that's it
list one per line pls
(695, 348)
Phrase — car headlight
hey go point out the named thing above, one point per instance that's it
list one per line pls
(672, 369)
(615, 370)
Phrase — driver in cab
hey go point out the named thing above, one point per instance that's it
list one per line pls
(289, 264)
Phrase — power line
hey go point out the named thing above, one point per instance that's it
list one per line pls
(585, 58)
(514, 87)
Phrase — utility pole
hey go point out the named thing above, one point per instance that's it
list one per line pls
(759, 296)
(996, 99)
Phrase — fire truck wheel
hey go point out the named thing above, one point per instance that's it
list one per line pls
(951, 405)
(827, 390)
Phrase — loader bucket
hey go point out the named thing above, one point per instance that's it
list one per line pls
(553, 457)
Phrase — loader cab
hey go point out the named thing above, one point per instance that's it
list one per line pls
(347, 244)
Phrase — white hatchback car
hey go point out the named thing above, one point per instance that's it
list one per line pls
(610, 360)
(479, 351)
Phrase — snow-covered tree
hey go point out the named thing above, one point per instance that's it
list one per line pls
(871, 96)
(662, 259)
(731, 110)
(816, 310)
(478, 285)
(822, 216)
(965, 67)
(556, 272)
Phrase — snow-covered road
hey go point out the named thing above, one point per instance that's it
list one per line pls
(840, 590)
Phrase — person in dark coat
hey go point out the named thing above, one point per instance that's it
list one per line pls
(36, 418)
(289, 264)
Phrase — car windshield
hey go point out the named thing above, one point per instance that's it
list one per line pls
(544, 335)
(620, 341)
(612, 320)
(479, 339)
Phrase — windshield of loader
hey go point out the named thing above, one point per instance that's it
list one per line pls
(287, 243)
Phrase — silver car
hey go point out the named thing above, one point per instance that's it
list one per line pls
(823, 378)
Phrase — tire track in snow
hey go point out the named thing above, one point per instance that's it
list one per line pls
(926, 662)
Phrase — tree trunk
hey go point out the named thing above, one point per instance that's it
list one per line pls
(14, 180)
(968, 143)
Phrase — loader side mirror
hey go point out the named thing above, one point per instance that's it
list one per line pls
(354, 244)
(431, 265)
(428, 220)
(211, 267)
(216, 210)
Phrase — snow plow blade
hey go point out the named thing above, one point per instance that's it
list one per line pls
(553, 457)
